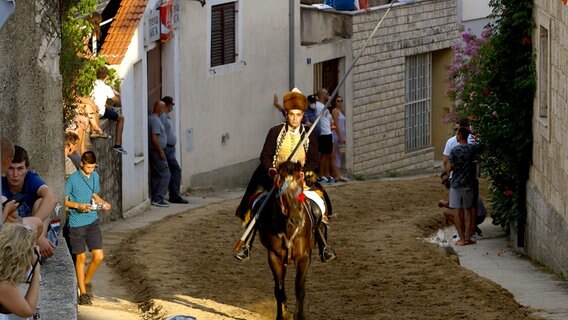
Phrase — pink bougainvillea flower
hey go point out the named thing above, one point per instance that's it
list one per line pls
(508, 193)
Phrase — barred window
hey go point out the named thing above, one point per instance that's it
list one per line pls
(418, 102)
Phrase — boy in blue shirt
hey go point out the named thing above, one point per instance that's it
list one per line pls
(83, 201)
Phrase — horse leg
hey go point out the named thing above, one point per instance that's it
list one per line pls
(279, 274)
(302, 266)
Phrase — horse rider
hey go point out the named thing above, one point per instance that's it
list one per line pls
(278, 146)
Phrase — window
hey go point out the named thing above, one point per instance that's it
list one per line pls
(418, 101)
(543, 72)
(223, 34)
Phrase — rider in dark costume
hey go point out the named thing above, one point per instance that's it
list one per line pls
(278, 146)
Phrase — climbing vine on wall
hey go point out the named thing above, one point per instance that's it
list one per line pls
(77, 64)
(492, 81)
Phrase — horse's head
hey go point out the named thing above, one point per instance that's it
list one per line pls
(289, 185)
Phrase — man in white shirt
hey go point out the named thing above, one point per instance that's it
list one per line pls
(103, 95)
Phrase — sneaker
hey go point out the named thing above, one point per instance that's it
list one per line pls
(160, 203)
(118, 148)
(455, 238)
(178, 200)
(85, 300)
(323, 180)
(243, 254)
(330, 179)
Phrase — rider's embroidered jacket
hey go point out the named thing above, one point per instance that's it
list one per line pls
(272, 142)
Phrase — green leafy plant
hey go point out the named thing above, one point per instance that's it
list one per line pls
(77, 66)
(492, 81)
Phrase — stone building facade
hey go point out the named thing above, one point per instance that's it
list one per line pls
(394, 86)
(547, 190)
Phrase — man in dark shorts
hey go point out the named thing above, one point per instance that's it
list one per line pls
(105, 97)
(83, 202)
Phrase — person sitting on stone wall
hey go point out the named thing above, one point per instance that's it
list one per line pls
(38, 201)
(105, 97)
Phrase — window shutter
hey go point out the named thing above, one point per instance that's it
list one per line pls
(223, 41)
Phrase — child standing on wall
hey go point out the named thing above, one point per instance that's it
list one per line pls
(83, 201)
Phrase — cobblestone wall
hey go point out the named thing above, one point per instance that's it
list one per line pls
(379, 81)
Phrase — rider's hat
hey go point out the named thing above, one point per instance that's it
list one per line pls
(295, 99)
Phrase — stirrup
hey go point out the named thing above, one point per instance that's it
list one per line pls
(243, 254)
(327, 254)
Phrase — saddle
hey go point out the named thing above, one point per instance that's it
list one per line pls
(316, 206)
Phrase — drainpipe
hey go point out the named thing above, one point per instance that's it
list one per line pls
(292, 43)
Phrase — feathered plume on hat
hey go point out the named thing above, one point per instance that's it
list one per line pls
(295, 99)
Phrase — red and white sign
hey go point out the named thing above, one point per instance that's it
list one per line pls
(166, 21)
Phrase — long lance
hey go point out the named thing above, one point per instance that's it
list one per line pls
(253, 221)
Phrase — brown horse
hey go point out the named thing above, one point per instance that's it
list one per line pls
(286, 231)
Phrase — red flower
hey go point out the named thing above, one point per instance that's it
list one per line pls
(486, 92)
(508, 193)
(526, 41)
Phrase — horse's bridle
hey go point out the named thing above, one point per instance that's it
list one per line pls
(301, 198)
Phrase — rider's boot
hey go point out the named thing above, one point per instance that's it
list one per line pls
(244, 253)
(325, 251)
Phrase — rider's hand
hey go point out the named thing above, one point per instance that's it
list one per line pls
(272, 172)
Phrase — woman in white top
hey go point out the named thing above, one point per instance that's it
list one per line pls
(338, 137)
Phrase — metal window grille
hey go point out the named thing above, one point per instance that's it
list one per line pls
(418, 101)
(223, 34)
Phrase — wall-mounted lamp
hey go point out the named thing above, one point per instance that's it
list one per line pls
(200, 1)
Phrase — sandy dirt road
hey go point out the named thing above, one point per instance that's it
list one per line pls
(184, 264)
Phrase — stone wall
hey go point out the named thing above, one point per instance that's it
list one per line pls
(547, 216)
(31, 114)
(31, 111)
(379, 81)
(110, 171)
(546, 233)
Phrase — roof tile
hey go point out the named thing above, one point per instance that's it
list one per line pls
(122, 30)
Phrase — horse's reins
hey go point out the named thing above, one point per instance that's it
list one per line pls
(288, 242)
(253, 221)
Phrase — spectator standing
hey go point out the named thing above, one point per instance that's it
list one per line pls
(103, 95)
(338, 135)
(82, 199)
(462, 164)
(174, 185)
(325, 138)
(312, 113)
(39, 200)
(71, 141)
(17, 255)
(159, 171)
